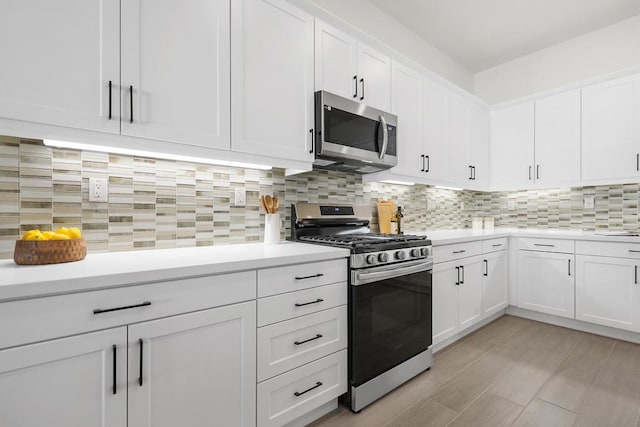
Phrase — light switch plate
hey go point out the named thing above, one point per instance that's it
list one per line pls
(590, 202)
(98, 190)
(240, 198)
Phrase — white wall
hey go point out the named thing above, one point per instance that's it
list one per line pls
(373, 21)
(603, 51)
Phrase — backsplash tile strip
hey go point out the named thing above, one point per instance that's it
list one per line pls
(165, 204)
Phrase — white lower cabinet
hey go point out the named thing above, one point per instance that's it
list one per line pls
(77, 381)
(546, 282)
(470, 292)
(495, 276)
(607, 291)
(194, 369)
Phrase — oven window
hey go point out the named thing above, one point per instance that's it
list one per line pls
(390, 323)
(352, 130)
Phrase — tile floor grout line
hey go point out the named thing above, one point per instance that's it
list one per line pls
(595, 380)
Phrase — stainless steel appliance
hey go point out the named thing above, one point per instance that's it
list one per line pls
(353, 137)
(390, 288)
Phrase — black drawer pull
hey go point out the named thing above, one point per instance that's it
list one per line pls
(318, 336)
(319, 300)
(313, 276)
(496, 245)
(107, 310)
(633, 251)
(546, 246)
(460, 251)
(296, 393)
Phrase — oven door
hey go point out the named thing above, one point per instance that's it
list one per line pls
(350, 130)
(390, 317)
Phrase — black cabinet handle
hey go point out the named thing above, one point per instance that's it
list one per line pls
(428, 163)
(569, 268)
(422, 170)
(131, 104)
(461, 251)
(318, 301)
(317, 337)
(110, 84)
(537, 171)
(462, 270)
(486, 267)
(313, 276)
(470, 172)
(458, 276)
(497, 245)
(638, 162)
(311, 132)
(355, 83)
(115, 368)
(141, 342)
(296, 394)
(634, 251)
(543, 245)
(529, 173)
(635, 277)
(362, 83)
(126, 307)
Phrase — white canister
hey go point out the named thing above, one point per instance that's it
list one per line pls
(476, 223)
(489, 223)
(272, 228)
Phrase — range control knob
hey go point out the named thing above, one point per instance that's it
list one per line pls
(400, 255)
(371, 259)
(383, 257)
(424, 251)
(415, 253)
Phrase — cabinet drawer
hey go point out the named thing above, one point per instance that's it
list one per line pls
(546, 245)
(287, 345)
(295, 304)
(288, 396)
(494, 245)
(609, 249)
(51, 317)
(456, 251)
(272, 281)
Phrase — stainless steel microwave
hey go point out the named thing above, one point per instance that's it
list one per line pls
(353, 137)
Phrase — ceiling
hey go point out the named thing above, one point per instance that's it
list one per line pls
(483, 33)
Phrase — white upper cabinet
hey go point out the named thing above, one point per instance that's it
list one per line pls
(512, 147)
(478, 157)
(350, 68)
(175, 71)
(557, 139)
(611, 130)
(61, 63)
(336, 60)
(406, 103)
(272, 85)
(434, 125)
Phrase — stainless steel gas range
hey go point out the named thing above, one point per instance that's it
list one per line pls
(390, 287)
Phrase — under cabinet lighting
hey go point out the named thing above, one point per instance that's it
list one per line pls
(391, 181)
(151, 154)
(440, 187)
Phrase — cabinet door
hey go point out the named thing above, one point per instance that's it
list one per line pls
(478, 144)
(66, 382)
(336, 61)
(545, 282)
(196, 369)
(58, 60)
(470, 292)
(445, 301)
(406, 104)
(457, 139)
(434, 125)
(512, 146)
(374, 78)
(175, 64)
(557, 139)
(272, 67)
(494, 282)
(607, 291)
(611, 129)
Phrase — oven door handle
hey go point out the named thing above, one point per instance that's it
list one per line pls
(362, 277)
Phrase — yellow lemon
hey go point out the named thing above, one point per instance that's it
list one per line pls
(48, 235)
(29, 233)
(63, 230)
(74, 233)
(36, 235)
(59, 236)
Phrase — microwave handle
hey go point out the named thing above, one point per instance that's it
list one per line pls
(385, 137)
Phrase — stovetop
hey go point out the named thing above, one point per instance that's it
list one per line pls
(369, 242)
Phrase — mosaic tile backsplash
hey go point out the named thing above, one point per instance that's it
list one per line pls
(166, 204)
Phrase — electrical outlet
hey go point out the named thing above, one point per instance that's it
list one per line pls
(98, 190)
(590, 202)
(240, 197)
(512, 205)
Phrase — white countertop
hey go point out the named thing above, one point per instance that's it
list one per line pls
(113, 269)
(445, 237)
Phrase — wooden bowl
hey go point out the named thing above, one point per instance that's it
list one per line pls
(38, 252)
